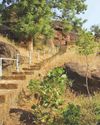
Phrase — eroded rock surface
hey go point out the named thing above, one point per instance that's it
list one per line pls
(77, 73)
(8, 51)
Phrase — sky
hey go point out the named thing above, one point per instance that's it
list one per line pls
(92, 13)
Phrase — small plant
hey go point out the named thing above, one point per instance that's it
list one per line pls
(72, 115)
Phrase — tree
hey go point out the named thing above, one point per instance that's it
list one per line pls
(68, 11)
(77, 24)
(1, 8)
(96, 30)
(86, 47)
(30, 18)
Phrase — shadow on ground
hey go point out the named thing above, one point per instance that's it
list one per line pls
(22, 117)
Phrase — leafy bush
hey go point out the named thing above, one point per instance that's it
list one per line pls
(51, 88)
(33, 85)
(49, 109)
(97, 113)
(50, 91)
(72, 115)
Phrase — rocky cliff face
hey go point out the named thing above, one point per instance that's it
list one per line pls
(61, 37)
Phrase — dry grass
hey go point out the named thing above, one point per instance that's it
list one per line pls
(70, 56)
(6, 40)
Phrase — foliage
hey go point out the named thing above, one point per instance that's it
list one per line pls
(29, 18)
(86, 46)
(72, 115)
(33, 17)
(33, 85)
(97, 112)
(88, 116)
(50, 92)
(96, 30)
(77, 24)
(50, 108)
(51, 88)
(85, 43)
(96, 107)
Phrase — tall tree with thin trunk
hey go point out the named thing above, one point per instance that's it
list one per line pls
(86, 46)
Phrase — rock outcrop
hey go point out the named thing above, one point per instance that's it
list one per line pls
(7, 51)
(61, 37)
(77, 73)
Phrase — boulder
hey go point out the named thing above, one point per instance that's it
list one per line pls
(77, 73)
(8, 51)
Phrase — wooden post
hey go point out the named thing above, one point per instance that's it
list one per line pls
(30, 57)
(0, 67)
(17, 63)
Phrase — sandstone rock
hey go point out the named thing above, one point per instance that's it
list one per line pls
(77, 73)
(8, 51)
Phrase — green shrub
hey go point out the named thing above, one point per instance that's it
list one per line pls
(72, 115)
(50, 91)
(97, 113)
(33, 85)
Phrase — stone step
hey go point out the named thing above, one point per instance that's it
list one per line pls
(24, 73)
(27, 69)
(9, 91)
(8, 86)
(35, 67)
(14, 77)
(18, 73)
(6, 95)
(28, 72)
(16, 85)
(7, 99)
(37, 64)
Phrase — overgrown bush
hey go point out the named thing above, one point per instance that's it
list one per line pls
(50, 91)
(50, 107)
(97, 112)
(72, 115)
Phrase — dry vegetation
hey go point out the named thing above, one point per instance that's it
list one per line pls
(71, 55)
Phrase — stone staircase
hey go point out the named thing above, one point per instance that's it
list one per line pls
(11, 86)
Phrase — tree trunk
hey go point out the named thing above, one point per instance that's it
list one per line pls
(52, 43)
(87, 84)
(30, 47)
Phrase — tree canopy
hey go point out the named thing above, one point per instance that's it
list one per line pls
(29, 18)
(96, 30)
